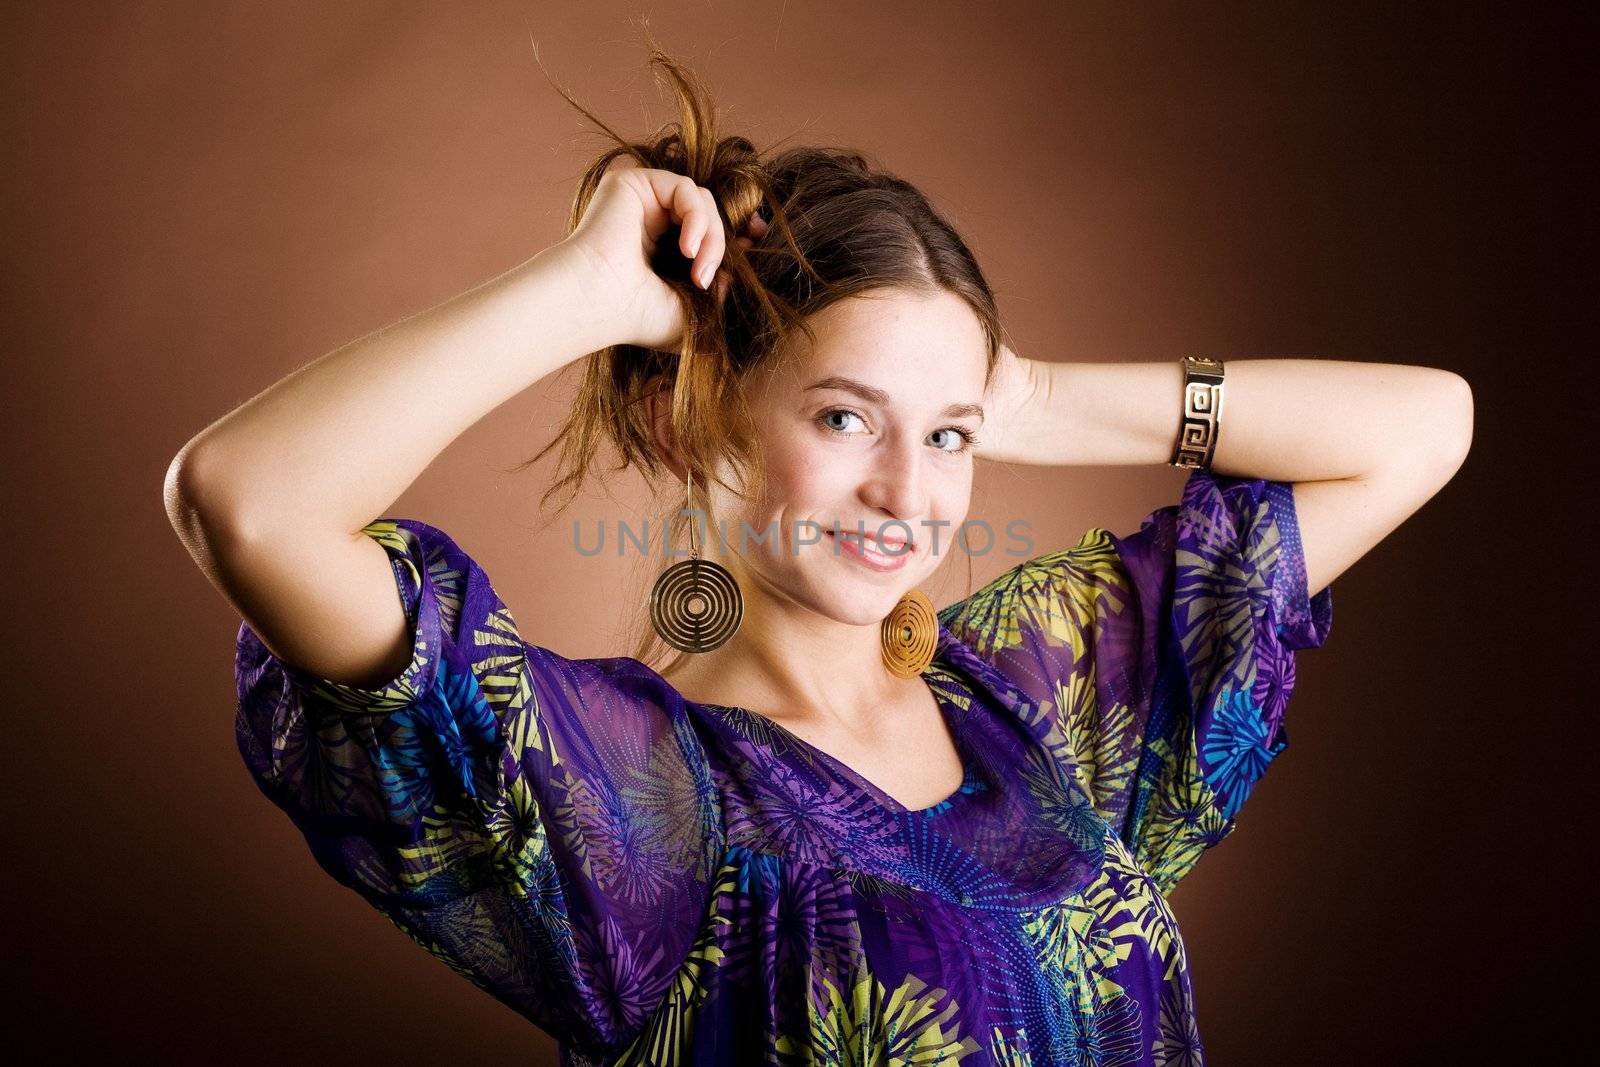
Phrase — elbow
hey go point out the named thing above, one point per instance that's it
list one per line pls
(1460, 416)
(1449, 433)
(189, 495)
(180, 488)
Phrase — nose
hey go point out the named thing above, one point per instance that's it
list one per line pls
(897, 484)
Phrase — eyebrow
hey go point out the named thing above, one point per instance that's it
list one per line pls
(874, 395)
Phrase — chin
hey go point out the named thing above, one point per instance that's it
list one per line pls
(861, 603)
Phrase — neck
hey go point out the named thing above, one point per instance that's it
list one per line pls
(791, 664)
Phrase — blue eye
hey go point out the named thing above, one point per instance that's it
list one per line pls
(963, 437)
(827, 416)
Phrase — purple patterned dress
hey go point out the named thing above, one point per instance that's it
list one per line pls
(654, 881)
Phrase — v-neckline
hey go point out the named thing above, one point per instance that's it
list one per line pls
(884, 798)
(970, 777)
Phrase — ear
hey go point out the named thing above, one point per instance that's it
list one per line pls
(658, 410)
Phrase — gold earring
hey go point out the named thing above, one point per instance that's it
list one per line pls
(695, 605)
(910, 634)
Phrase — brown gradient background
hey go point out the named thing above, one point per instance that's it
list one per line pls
(206, 196)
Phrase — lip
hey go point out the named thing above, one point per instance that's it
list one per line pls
(877, 538)
(886, 563)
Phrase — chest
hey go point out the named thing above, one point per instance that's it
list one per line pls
(910, 756)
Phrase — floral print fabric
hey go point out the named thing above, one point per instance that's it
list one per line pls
(655, 881)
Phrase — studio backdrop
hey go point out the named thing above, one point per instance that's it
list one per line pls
(207, 196)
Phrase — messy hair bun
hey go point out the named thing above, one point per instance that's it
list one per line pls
(838, 227)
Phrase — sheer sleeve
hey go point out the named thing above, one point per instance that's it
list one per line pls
(540, 824)
(1159, 665)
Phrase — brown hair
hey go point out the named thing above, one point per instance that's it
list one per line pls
(839, 227)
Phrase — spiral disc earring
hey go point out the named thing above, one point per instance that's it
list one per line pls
(910, 634)
(695, 604)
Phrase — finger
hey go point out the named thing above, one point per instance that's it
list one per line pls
(713, 245)
(689, 212)
(670, 200)
(674, 203)
(701, 220)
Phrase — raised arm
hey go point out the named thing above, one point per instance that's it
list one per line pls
(1366, 444)
(271, 499)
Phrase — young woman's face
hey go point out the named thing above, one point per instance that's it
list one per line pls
(865, 430)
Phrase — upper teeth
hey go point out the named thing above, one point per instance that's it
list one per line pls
(872, 544)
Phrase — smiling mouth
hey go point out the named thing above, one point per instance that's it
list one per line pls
(869, 547)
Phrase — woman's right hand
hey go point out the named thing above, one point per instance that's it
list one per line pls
(632, 208)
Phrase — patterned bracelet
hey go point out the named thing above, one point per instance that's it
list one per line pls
(1202, 413)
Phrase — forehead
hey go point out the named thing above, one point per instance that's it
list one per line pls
(915, 346)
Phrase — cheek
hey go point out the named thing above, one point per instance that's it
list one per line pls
(953, 504)
(952, 494)
(802, 478)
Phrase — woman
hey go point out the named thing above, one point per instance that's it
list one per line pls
(834, 828)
